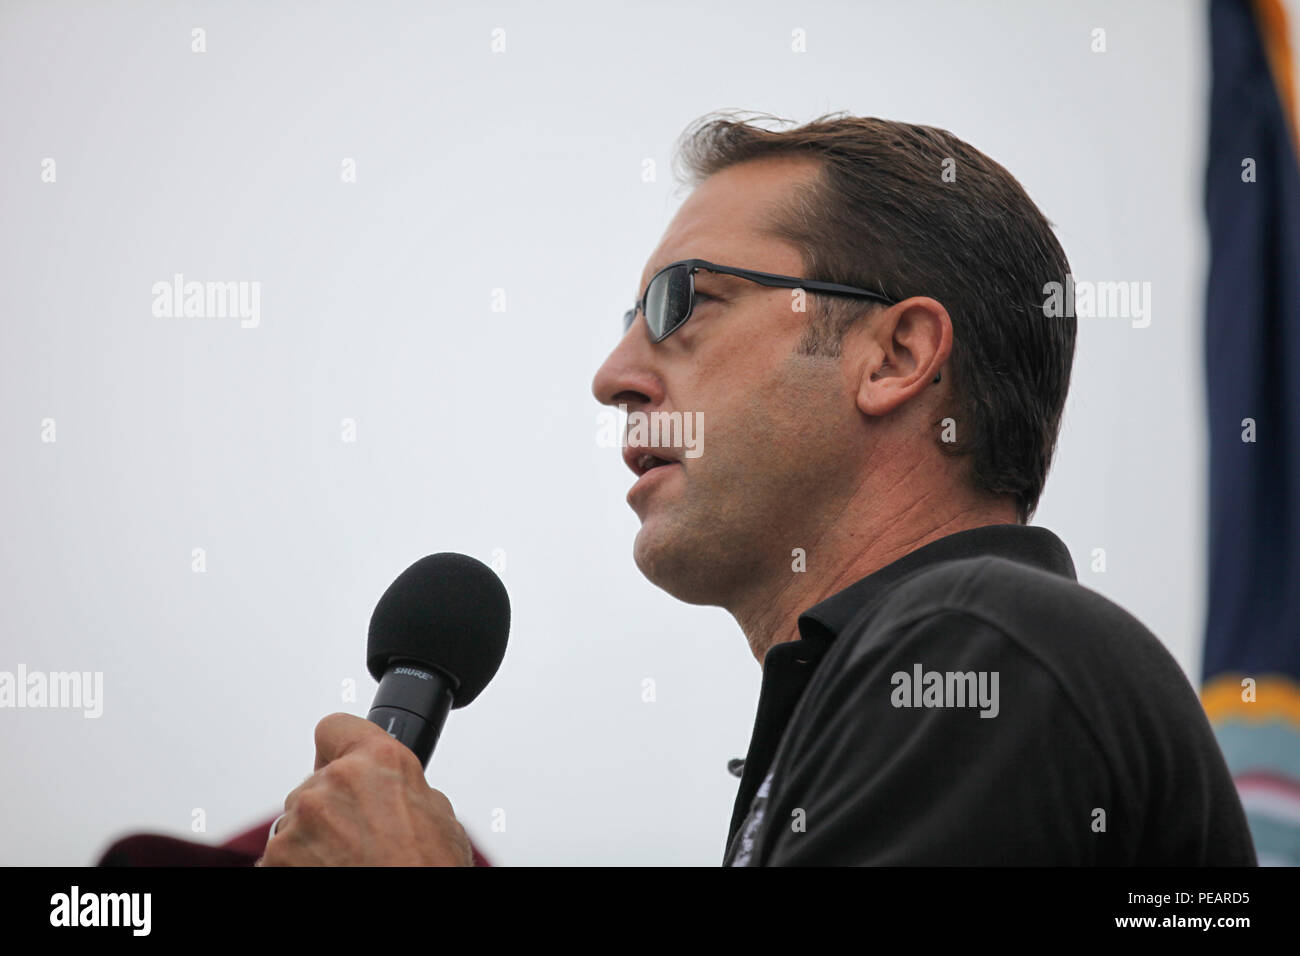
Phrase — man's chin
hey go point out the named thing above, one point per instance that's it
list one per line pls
(672, 562)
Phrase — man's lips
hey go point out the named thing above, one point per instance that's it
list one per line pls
(650, 465)
(654, 476)
(643, 460)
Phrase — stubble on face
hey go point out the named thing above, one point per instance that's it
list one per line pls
(776, 469)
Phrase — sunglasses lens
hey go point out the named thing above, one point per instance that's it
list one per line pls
(668, 301)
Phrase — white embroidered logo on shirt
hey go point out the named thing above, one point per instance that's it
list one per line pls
(750, 831)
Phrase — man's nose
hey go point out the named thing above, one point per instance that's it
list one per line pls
(628, 375)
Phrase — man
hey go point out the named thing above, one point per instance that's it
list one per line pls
(855, 307)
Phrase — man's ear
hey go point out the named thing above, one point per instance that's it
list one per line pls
(902, 351)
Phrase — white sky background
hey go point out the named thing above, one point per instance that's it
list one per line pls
(476, 429)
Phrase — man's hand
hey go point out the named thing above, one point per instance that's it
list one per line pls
(367, 804)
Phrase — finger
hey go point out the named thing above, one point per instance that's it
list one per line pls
(311, 780)
(440, 800)
(339, 733)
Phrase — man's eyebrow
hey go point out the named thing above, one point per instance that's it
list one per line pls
(654, 271)
(648, 275)
(722, 278)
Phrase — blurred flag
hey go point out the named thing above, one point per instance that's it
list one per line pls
(243, 849)
(1251, 667)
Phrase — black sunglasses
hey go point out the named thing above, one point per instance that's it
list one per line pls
(669, 297)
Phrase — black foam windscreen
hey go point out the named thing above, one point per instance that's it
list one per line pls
(448, 611)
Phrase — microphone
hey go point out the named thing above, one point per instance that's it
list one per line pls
(436, 639)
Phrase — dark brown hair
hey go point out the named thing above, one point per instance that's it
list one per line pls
(881, 214)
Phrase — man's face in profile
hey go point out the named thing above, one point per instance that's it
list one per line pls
(782, 441)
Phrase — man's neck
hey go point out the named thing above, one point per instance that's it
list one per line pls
(769, 615)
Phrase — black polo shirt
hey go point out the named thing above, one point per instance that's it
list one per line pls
(971, 703)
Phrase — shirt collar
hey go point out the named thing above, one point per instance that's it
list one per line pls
(1036, 547)
(789, 665)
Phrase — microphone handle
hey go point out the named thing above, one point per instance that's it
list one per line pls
(411, 705)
